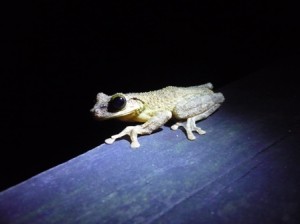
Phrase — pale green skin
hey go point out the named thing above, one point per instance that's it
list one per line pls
(155, 108)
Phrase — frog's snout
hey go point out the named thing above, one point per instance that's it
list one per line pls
(92, 110)
(95, 110)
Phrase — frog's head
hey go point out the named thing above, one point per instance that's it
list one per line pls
(116, 106)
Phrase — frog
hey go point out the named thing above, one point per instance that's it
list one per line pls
(153, 109)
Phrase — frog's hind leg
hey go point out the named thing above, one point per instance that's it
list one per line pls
(195, 110)
(204, 112)
(190, 124)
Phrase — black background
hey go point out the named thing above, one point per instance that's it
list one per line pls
(58, 55)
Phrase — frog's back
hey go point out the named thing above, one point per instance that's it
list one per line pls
(168, 97)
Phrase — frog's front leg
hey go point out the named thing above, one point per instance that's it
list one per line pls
(159, 119)
(196, 108)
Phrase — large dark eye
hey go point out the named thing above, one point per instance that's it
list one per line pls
(116, 103)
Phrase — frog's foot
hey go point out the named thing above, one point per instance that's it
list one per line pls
(189, 126)
(132, 131)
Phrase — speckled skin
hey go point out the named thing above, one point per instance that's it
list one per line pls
(168, 97)
(155, 108)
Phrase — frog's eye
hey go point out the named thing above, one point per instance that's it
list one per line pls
(117, 102)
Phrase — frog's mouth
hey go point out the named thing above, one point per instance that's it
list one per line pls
(111, 115)
(120, 114)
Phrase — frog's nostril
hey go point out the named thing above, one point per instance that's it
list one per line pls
(96, 110)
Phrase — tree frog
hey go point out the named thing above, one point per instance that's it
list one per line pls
(155, 108)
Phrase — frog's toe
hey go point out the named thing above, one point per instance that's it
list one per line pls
(135, 145)
(191, 136)
(176, 126)
(199, 131)
(109, 140)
